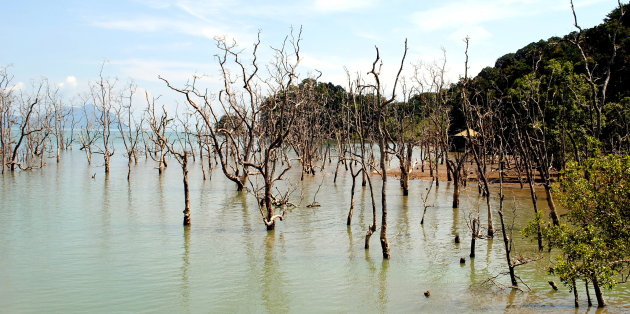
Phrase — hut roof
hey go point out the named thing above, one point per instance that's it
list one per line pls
(467, 132)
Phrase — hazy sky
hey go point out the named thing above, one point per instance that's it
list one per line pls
(66, 41)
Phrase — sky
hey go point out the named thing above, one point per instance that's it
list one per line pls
(137, 40)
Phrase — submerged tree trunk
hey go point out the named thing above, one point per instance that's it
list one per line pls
(184, 165)
(506, 243)
(474, 226)
(383, 236)
(456, 192)
(534, 202)
(129, 169)
(372, 228)
(405, 167)
(588, 294)
(598, 293)
(270, 223)
(354, 183)
(552, 206)
(575, 294)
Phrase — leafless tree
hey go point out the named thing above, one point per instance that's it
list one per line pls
(383, 136)
(176, 146)
(279, 112)
(480, 115)
(158, 122)
(87, 134)
(130, 129)
(7, 113)
(508, 244)
(102, 95)
(28, 109)
(60, 113)
(254, 143)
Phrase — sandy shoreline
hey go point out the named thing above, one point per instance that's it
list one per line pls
(510, 179)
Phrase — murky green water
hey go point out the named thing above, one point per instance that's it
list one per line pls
(71, 243)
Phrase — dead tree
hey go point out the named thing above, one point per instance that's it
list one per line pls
(7, 114)
(481, 116)
(507, 242)
(383, 137)
(278, 113)
(87, 135)
(306, 138)
(158, 123)
(102, 94)
(59, 117)
(525, 158)
(456, 167)
(129, 128)
(28, 106)
(358, 125)
(405, 137)
(177, 148)
(240, 100)
(260, 125)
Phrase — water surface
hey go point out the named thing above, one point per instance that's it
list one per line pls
(73, 243)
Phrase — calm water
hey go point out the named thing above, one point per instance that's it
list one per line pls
(73, 243)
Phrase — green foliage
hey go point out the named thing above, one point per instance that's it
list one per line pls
(545, 85)
(595, 241)
(230, 122)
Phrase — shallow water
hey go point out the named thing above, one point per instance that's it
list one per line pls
(73, 243)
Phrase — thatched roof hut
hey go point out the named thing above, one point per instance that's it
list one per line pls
(458, 140)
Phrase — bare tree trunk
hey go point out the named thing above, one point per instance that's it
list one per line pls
(456, 192)
(23, 133)
(383, 236)
(552, 205)
(271, 223)
(184, 165)
(337, 170)
(506, 243)
(354, 183)
(129, 169)
(372, 227)
(486, 186)
(475, 229)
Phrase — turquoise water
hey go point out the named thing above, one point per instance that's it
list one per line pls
(72, 243)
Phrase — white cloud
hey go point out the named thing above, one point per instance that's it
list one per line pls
(71, 80)
(149, 70)
(16, 87)
(341, 5)
(156, 24)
